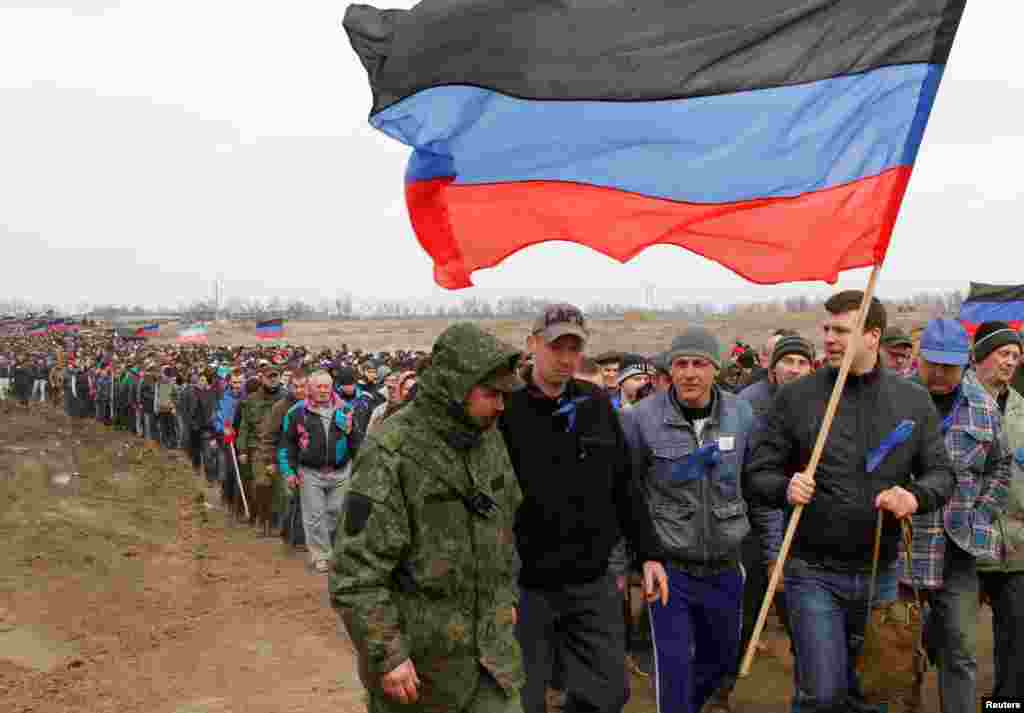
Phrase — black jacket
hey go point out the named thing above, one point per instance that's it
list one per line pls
(576, 482)
(305, 442)
(837, 528)
(22, 382)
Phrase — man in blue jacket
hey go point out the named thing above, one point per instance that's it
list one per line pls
(688, 447)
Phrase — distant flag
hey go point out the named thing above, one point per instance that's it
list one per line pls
(39, 330)
(55, 325)
(148, 330)
(775, 138)
(993, 303)
(193, 334)
(270, 329)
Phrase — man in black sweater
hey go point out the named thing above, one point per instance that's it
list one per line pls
(572, 462)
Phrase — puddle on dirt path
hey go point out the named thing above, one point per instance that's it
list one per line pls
(29, 648)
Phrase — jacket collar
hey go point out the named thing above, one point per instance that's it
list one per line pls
(975, 408)
(672, 410)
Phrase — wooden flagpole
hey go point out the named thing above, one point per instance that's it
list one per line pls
(812, 466)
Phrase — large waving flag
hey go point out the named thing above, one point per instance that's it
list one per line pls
(993, 303)
(775, 137)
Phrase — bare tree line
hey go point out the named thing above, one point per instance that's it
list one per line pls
(347, 306)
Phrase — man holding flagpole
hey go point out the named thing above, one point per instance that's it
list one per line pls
(885, 429)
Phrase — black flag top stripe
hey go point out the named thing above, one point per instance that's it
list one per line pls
(985, 292)
(640, 50)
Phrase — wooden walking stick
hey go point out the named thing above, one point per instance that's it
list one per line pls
(812, 466)
(238, 476)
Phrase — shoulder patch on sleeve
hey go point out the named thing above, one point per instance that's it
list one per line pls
(1019, 456)
(358, 508)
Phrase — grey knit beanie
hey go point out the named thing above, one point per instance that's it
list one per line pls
(695, 342)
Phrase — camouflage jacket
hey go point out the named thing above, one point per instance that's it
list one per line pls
(255, 410)
(423, 568)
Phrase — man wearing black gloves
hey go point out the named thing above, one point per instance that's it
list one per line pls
(571, 459)
(885, 430)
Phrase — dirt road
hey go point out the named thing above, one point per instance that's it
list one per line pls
(120, 591)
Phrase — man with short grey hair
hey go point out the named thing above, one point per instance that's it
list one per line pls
(314, 455)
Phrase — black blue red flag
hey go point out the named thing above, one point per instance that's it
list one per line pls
(775, 137)
(993, 303)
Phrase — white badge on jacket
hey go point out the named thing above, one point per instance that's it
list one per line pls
(726, 443)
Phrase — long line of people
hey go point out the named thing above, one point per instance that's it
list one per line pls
(675, 471)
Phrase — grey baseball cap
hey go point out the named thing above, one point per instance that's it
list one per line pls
(557, 320)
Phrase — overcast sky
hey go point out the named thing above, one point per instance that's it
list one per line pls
(147, 145)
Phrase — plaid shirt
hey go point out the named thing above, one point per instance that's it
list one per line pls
(981, 464)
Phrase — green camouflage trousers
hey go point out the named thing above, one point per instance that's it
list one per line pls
(489, 698)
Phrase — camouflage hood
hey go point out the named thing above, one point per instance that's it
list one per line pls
(463, 355)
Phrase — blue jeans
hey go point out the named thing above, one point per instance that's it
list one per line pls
(696, 637)
(827, 615)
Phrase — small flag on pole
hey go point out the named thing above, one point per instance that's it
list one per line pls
(993, 303)
(193, 334)
(270, 329)
(55, 325)
(38, 330)
(148, 330)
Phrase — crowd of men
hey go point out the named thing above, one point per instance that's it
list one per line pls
(482, 509)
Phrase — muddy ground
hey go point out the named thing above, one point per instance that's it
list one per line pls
(121, 591)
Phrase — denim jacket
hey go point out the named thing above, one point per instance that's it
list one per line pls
(696, 503)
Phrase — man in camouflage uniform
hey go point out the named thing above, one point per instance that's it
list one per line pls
(253, 449)
(423, 572)
(281, 494)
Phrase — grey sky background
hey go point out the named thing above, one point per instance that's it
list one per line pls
(149, 145)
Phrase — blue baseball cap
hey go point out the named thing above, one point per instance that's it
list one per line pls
(945, 342)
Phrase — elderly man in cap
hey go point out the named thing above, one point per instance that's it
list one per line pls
(571, 459)
(996, 352)
(949, 543)
(898, 352)
(689, 446)
(423, 572)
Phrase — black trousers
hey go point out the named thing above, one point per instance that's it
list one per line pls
(582, 625)
(1006, 592)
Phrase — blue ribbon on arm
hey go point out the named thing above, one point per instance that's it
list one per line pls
(900, 435)
(696, 465)
(567, 407)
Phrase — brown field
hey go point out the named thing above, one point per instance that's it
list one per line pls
(120, 591)
(634, 332)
